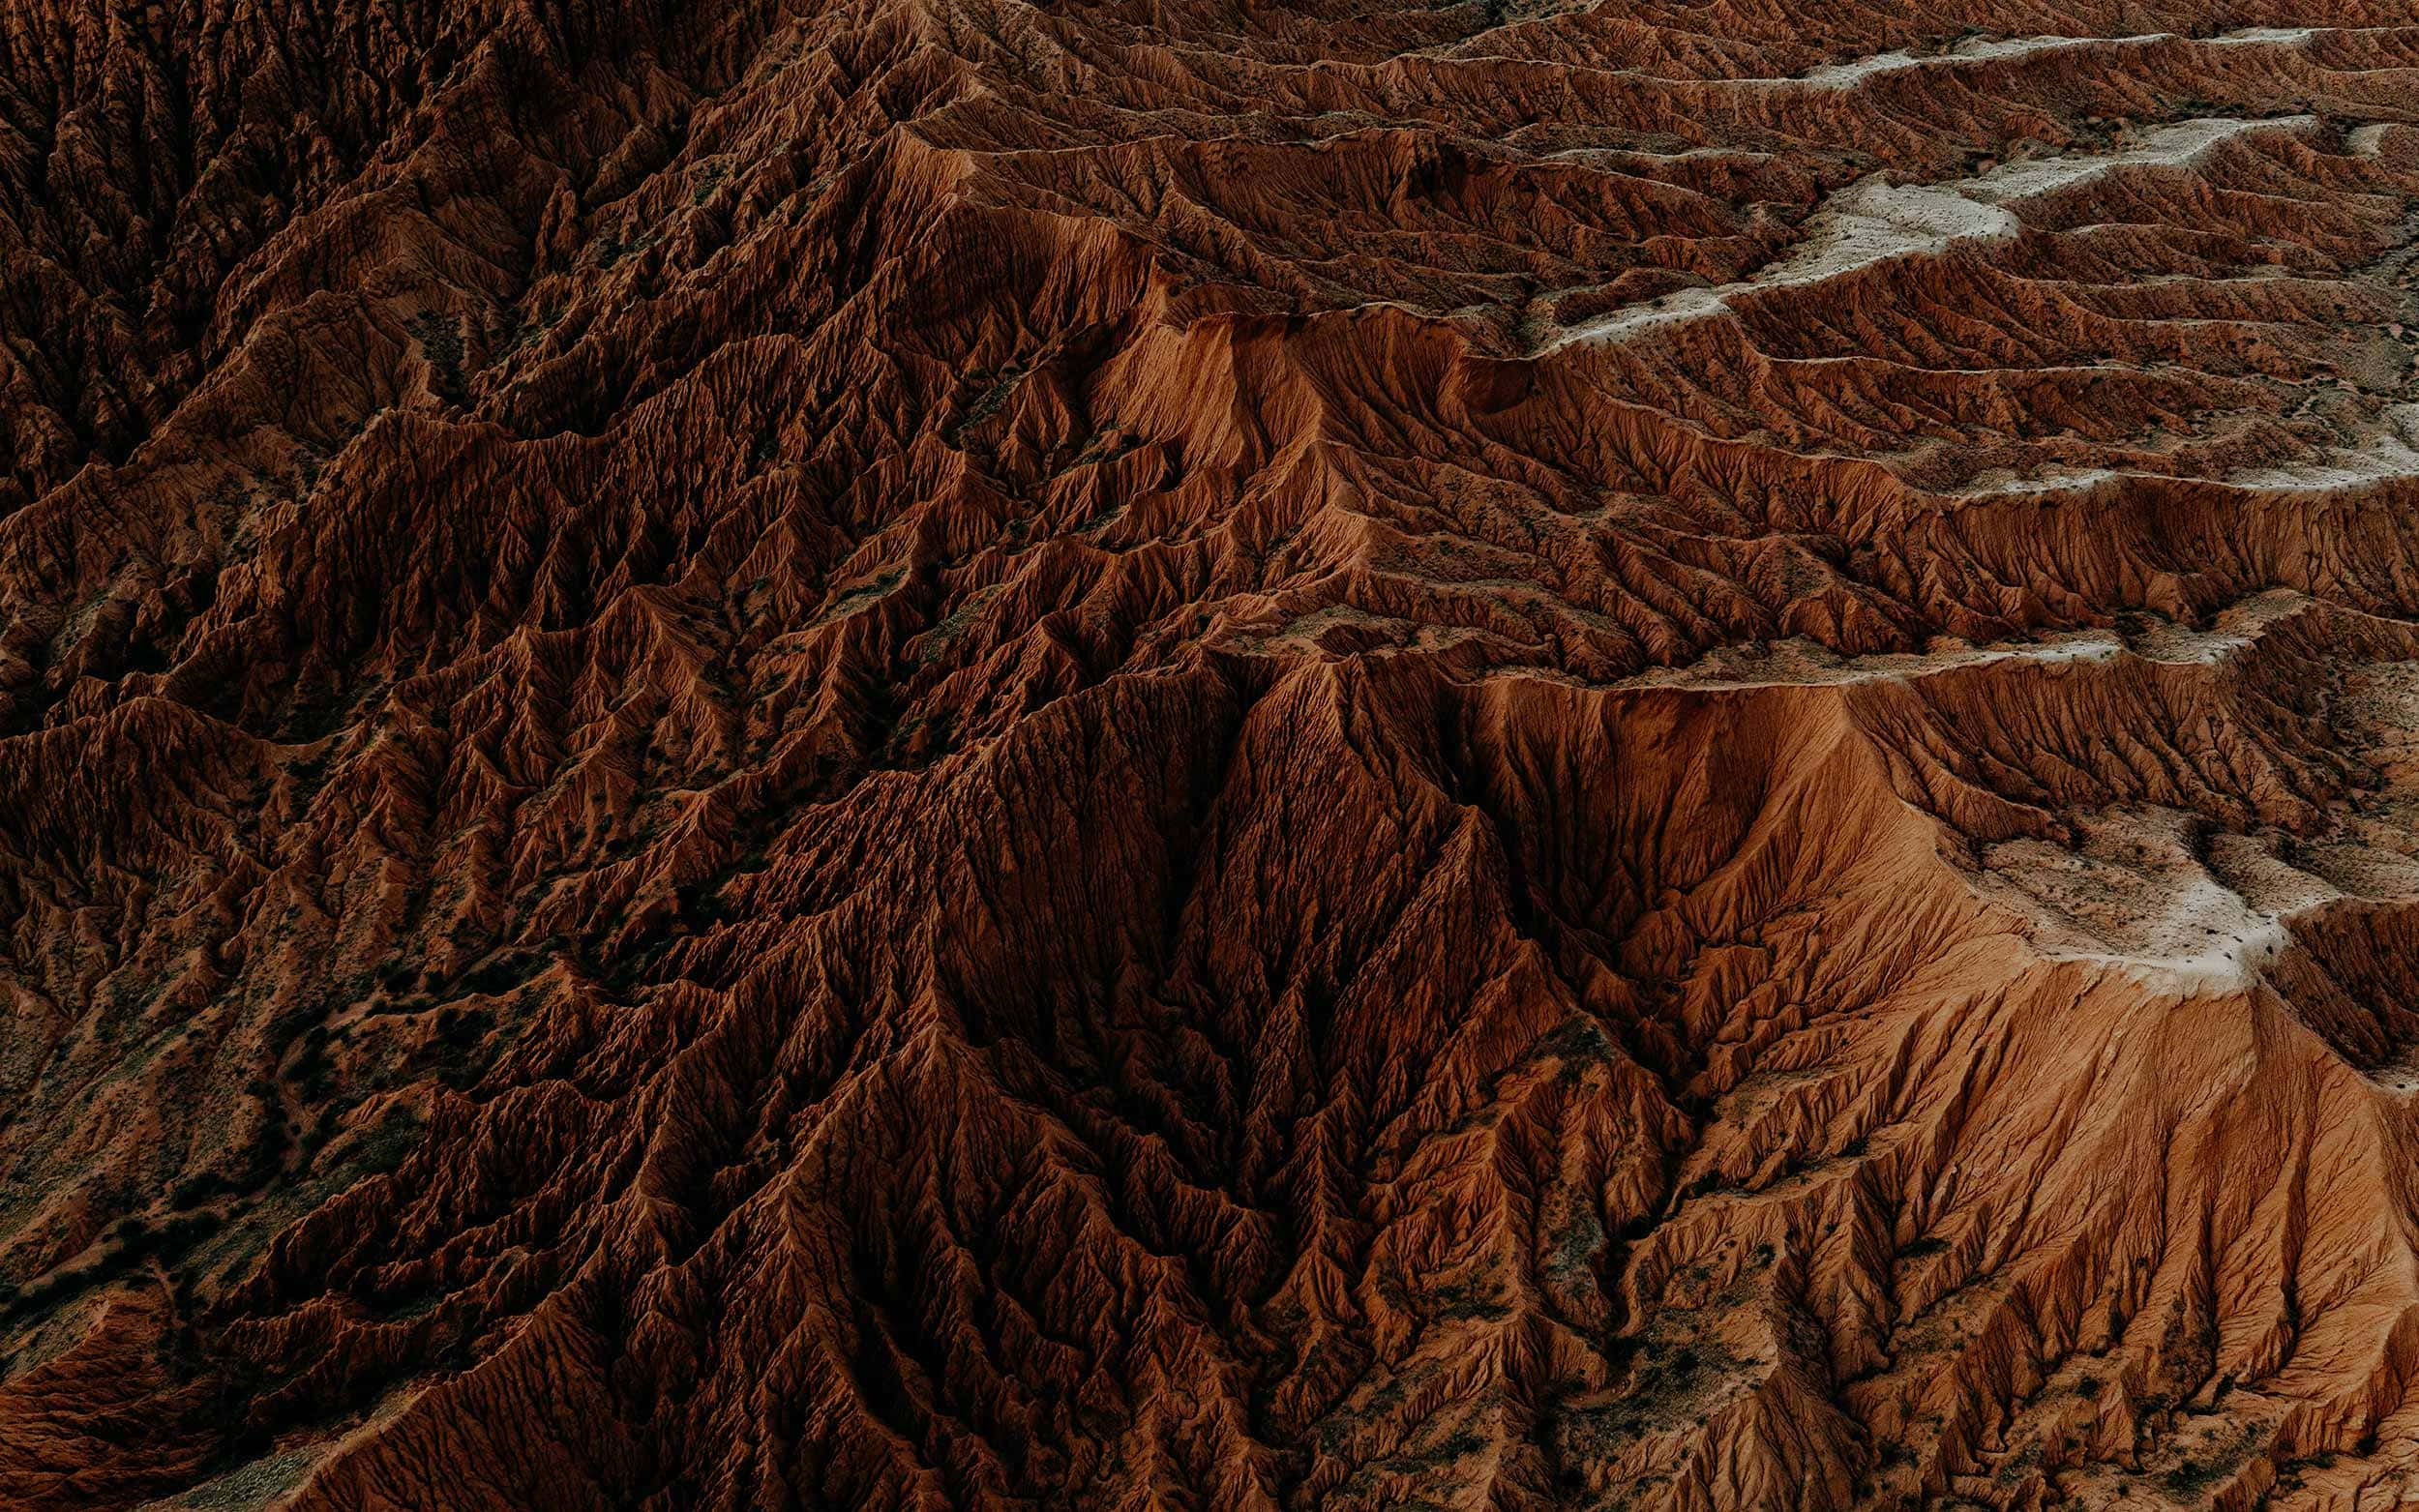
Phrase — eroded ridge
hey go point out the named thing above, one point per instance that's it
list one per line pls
(1498, 756)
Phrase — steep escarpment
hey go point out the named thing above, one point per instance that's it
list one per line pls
(1197, 756)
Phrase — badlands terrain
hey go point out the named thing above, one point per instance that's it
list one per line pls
(1209, 756)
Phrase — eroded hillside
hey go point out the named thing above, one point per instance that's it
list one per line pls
(954, 754)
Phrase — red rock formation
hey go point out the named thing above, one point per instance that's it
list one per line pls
(1205, 756)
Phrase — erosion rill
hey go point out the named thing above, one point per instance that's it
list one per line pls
(1142, 755)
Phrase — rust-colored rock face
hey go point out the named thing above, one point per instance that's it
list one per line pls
(1141, 755)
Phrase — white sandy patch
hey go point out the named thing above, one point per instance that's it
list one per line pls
(2367, 142)
(2175, 145)
(2274, 36)
(1978, 49)
(1800, 661)
(1874, 221)
(2237, 629)
(2202, 938)
(1683, 155)
(1846, 76)
(2048, 480)
(2134, 898)
(1803, 663)
(2392, 453)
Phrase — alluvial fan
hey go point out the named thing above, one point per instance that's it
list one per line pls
(1133, 754)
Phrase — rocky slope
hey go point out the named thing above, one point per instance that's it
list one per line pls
(1185, 753)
